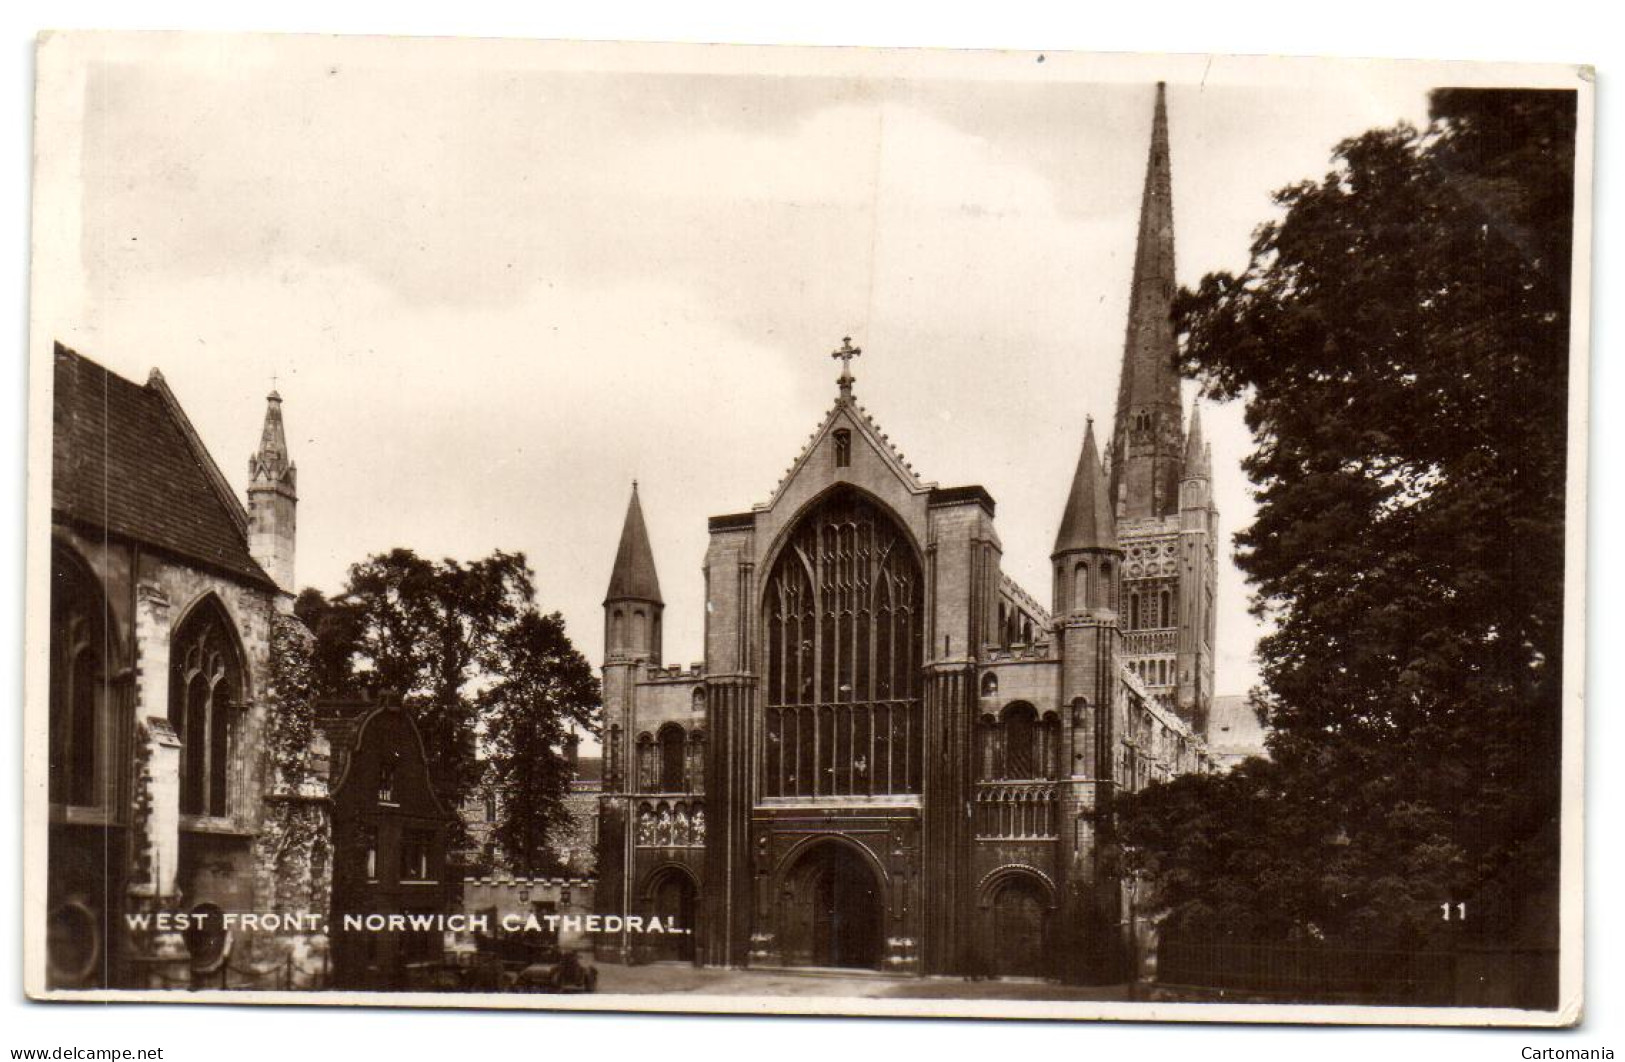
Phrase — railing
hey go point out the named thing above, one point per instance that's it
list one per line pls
(1309, 972)
(1015, 811)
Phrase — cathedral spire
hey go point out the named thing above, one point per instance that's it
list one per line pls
(1087, 523)
(1147, 450)
(633, 577)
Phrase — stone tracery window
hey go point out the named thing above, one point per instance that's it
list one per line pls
(205, 687)
(844, 615)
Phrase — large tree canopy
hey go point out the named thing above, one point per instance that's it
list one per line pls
(466, 647)
(1400, 338)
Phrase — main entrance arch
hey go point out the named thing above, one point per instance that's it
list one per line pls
(833, 910)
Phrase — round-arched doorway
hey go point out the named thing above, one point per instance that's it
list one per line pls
(675, 901)
(1016, 921)
(833, 910)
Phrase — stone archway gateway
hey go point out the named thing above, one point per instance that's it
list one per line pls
(833, 910)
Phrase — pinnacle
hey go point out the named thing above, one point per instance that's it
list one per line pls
(1087, 522)
(634, 573)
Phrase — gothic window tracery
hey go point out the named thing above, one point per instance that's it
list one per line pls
(844, 627)
(205, 685)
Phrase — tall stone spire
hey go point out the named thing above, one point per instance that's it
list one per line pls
(273, 499)
(1147, 438)
(1087, 523)
(634, 575)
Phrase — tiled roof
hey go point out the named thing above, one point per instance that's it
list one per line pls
(124, 459)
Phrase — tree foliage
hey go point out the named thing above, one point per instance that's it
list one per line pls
(528, 767)
(466, 648)
(1401, 339)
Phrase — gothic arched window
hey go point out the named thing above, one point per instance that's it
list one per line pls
(844, 618)
(205, 688)
(1167, 603)
(1080, 587)
(673, 754)
(843, 448)
(81, 731)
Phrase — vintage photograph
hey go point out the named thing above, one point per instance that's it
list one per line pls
(789, 530)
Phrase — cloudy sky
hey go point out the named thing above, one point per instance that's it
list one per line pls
(495, 283)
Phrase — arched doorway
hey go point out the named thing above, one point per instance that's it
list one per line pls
(1017, 922)
(674, 900)
(833, 911)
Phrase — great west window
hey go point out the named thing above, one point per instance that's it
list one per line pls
(844, 614)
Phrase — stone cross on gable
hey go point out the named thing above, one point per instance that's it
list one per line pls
(845, 355)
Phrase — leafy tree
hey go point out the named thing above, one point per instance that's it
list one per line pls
(1400, 338)
(466, 648)
(528, 767)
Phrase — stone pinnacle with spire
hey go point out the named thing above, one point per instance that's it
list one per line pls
(1147, 450)
(1198, 459)
(634, 577)
(273, 499)
(1087, 522)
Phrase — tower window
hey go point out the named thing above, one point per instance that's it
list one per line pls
(843, 448)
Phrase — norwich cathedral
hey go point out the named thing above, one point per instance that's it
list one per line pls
(893, 757)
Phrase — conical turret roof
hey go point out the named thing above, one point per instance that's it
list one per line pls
(271, 460)
(1087, 522)
(634, 575)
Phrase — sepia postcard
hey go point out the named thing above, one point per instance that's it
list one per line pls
(783, 530)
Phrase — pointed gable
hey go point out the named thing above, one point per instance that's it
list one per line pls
(634, 575)
(847, 416)
(1087, 522)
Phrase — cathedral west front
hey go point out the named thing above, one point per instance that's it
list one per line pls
(893, 757)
